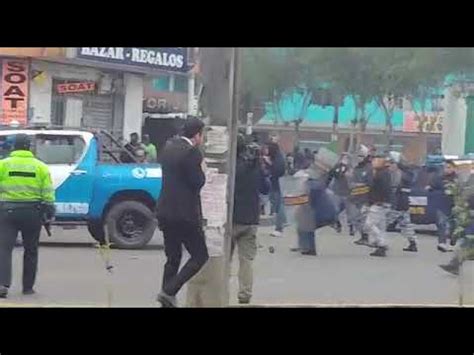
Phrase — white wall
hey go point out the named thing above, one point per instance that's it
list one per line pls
(133, 110)
(454, 125)
(41, 89)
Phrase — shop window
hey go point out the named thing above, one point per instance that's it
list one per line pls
(59, 149)
(161, 83)
(180, 83)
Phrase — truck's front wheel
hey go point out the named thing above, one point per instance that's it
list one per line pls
(130, 224)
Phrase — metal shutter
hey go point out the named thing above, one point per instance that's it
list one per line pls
(98, 111)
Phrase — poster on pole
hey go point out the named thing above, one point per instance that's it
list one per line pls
(217, 140)
(14, 91)
(214, 209)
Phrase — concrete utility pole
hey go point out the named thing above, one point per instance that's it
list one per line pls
(220, 70)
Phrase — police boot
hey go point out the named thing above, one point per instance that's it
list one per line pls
(351, 230)
(411, 247)
(364, 240)
(380, 251)
(3, 292)
(166, 300)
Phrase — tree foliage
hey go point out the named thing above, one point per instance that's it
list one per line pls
(383, 75)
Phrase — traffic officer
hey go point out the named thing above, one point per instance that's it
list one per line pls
(26, 199)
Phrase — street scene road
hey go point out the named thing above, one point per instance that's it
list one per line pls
(72, 273)
(206, 143)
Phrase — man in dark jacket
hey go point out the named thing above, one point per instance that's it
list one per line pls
(250, 182)
(179, 209)
(135, 148)
(276, 166)
(439, 185)
(379, 201)
(400, 204)
(339, 184)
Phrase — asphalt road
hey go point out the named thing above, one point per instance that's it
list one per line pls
(72, 273)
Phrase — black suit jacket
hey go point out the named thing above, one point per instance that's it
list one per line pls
(183, 179)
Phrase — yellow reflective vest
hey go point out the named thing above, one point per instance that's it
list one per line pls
(23, 178)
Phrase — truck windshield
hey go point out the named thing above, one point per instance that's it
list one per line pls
(59, 149)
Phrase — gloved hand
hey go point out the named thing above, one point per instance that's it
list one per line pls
(49, 211)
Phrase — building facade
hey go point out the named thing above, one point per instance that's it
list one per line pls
(416, 132)
(88, 87)
(458, 134)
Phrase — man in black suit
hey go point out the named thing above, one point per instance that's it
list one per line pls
(179, 209)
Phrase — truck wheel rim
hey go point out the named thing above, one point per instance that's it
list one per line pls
(131, 225)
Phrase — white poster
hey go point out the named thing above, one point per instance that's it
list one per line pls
(217, 140)
(214, 208)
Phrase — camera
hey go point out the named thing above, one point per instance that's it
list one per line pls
(248, 151)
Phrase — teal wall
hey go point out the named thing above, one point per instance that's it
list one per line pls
(290, 107)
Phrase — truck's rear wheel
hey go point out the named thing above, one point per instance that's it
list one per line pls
(130, 224)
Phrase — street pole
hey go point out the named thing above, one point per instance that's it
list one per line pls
(220, 74)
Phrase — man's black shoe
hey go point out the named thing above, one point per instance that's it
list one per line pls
(309, 252)
(381, 251)
(29, 292)
(412, 247)
(3, 292)
(295, 249)
(362, 241)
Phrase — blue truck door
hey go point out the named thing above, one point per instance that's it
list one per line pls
(74, 193)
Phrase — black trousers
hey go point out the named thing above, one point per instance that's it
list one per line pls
(176, 235)
(26, 220)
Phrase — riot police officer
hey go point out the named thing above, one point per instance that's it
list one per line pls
(360, 182)
(26, 200)
(379, 201)
(400, 205)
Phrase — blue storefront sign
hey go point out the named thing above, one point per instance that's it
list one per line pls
(170, 59)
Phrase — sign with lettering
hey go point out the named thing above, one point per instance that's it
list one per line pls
(67, 88)
(170, 59)
(14, 91)
(430, 122)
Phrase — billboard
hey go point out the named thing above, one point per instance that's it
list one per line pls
(14, 74)
(430, 122)
(171, 59)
